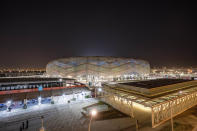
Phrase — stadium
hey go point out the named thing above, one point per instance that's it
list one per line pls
(95, 69)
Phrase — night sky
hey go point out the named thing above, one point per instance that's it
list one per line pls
(34, 33)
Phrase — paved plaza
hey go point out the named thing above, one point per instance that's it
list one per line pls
(60, 117)
(68, 117)
(57, 117)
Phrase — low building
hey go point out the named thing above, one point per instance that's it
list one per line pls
(18, 89)
(154, 101)
(21, 73)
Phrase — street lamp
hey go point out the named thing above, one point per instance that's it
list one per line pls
(39, 100)
(132, 115)
(171, 117)
(99, 89)
(8, 104)
(95, 91)
(92, 114)
(42, 128)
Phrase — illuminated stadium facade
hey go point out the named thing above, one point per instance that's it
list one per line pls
(96, 69)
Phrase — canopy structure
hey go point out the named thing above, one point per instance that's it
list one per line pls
(153, 105)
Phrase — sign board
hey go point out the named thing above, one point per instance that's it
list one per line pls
(40, 88)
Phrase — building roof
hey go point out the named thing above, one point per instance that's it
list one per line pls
(29, 79)
(155, 83)
(153, 96)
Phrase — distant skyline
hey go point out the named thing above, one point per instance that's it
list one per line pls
(34, 33)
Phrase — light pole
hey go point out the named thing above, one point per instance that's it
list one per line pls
(95, 91)
(39, 100)
(8, 104)
(92, 114)
(132, 115)
(99, 89)
(42, 128)
(171, 116)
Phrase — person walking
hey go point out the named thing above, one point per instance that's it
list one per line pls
(21, 128)
(27, 124)
(23, 125)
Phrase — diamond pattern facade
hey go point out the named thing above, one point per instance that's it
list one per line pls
(97, 67)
